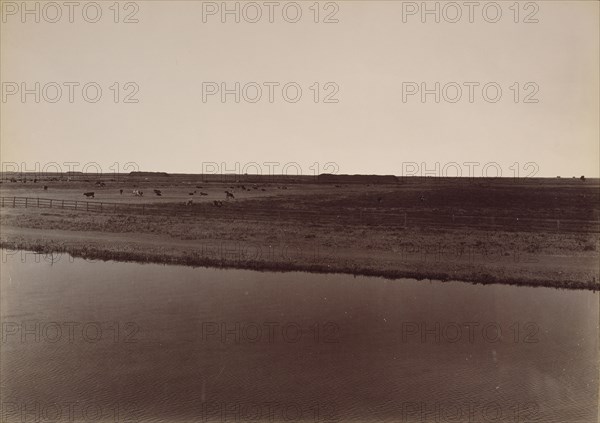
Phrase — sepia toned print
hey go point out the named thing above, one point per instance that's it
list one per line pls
(299, 211)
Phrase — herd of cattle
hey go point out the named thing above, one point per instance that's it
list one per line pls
(217, 203)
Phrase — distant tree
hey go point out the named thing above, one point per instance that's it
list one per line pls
(582, 178)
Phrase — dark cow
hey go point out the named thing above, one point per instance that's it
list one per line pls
(190, 202)
(121, 191)
(190, 193)
(229, 195)
(217, 203)
(158, 192)
(203, 193)
(89, 194)
(45, 187)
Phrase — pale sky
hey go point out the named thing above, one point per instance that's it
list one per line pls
(369, 55)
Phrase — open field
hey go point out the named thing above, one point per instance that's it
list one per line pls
(526, 231)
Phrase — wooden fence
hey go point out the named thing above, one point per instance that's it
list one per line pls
(237, 211)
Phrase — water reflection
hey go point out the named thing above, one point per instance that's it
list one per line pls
(106, 341)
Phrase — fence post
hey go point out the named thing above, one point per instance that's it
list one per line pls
(63, 204)
(25, 202)
(143, 209)
(14, 198)
(405, 219)
(558, 224)
(38, 202)
(50, 203)
(87, 206)
(100, 207)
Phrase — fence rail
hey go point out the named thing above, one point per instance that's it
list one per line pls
(396, 218)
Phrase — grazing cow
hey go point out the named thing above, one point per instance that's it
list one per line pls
(190, 193)
(138, 193)
(158, 192)
(217, 203)
(262, 189)
(379, 199)
(198, 186)
(229, 195)
(45, 187)
(89, 194)
(189, 202)
(121, 191)
(203, 193)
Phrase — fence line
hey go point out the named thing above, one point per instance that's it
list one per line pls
(398, 218)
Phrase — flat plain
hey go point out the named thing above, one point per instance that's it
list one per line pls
(538, 232)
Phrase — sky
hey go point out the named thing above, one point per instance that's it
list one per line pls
(508, 91)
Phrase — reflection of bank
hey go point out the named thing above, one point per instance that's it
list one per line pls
(57, 254)
(254, 251)
(463, 254)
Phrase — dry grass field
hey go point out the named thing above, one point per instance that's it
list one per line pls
(525, 231)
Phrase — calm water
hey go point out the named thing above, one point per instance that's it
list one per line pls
(106, 341)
